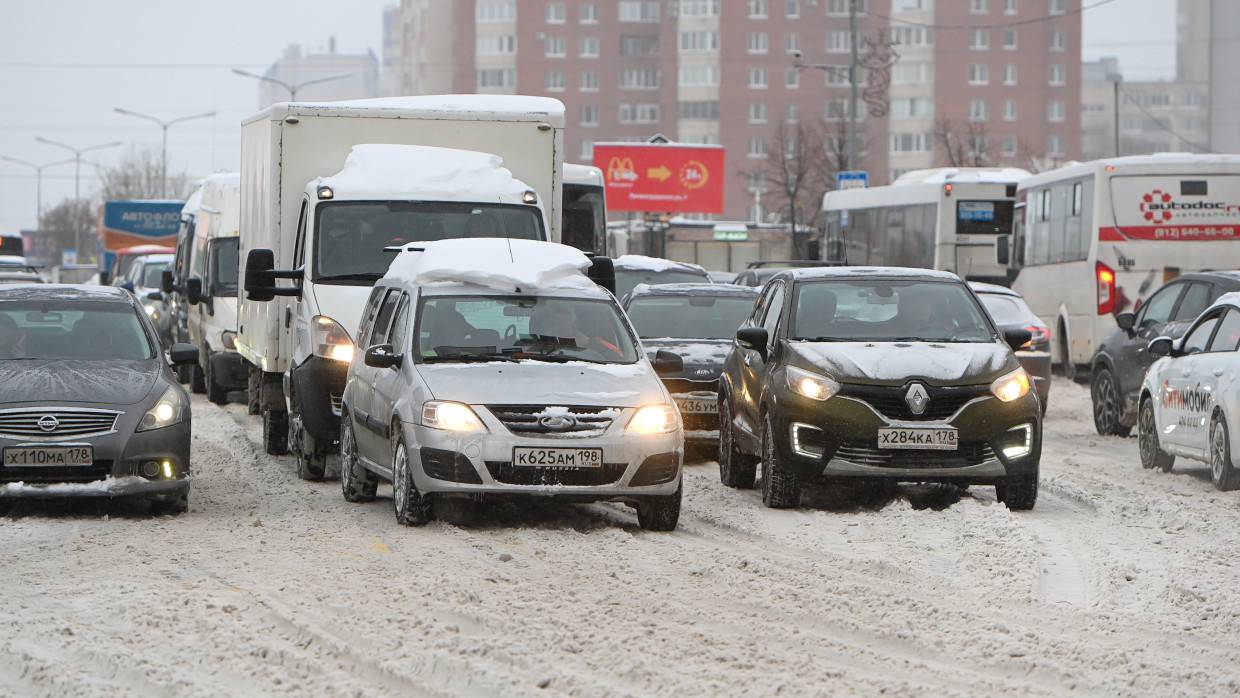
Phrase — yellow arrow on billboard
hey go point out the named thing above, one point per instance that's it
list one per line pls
(661, 173)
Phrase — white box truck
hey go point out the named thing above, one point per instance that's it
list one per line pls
(326, 187)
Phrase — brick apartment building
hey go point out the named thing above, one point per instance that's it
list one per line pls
(1004, 74)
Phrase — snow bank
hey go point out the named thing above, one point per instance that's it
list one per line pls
(425, 172)
(644, 263)
(504, 265)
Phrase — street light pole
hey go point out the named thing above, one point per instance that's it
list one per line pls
(293, 88)
(77, 173)
(853, 65)
(163, 125)
(38, 186)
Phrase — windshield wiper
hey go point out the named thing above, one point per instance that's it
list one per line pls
(561, 358)
(468, 358)
(360, 276)
(824, 339)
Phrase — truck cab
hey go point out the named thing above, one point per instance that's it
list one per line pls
(584, 208)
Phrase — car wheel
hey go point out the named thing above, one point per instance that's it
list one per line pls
(356, 483)
(1104, 392)
(660, 513)
(1018, 492)
(216, 393)
(197, 379)
(412, 507)
(1152, 455)
(310, 463)
(253, 388)
(1224, 476)
(736, 469)
(781, 487)
(275, 432)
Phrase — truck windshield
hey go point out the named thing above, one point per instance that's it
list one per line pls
(348, 246)
(888, 310)
(224, 265)
(512, 328)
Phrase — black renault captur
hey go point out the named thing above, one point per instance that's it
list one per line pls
(89, 406)
(877, 373)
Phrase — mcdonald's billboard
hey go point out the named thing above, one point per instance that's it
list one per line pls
(656, 177)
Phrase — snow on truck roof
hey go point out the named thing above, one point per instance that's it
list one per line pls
(431, 173)
(1154, 163)
(500, 264)
(459, 107)
(981, 175)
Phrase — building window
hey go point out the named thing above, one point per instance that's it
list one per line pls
(588, 115)
(757, 9)
(792, 79)
(792, 43)
(699, 8)
(589, 13)
(839, 8)
(1059, 41)
(837, 76)
(1009, 39)
(589, 47)
(589, 81)
(1009, 74)
(913, 73)
(706, 111)
(978, 145)
(555, 46)
(839, 42)
(978, 7)
(910, 35)
(1009, 110)
(1057, 77)
(1058, 7)
(1054, 145)
(756, 42)
(699, 41)
(639, 10)
(587, 151)
(639, 45)
(792, 9)
(640, 113)
(1009, 146)
(979, 74)
(555, 81)
(493, 11)
(1009, 7)
(757, 113)
(496, 45)
(1055, 111)
(556, 14)
(757, 148)
(837, 110)
(699, 75)
(908, 142)
(757, 78)
(911, 108)
(496, 78)
(977, 110)
(639, 79)
(754, 181)
(979, 39)
(792, 114)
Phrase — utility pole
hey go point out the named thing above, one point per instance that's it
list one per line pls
(1115, 84)
(854, 65)
(163, 159)
(293, 88)
(38, 186)
(77, 173)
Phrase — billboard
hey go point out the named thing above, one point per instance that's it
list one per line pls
(655, 177)
(130, 223)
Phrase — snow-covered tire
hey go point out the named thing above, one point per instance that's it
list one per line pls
(197, 379)
(660, 513)
(275, 432)
(1018, 492)
(216, 393)
(1107, 404)
(1223, 474)
(781, 486)
(412, 508)
(357, 484)
(736, 469)
(1152, 455)
(253, 386)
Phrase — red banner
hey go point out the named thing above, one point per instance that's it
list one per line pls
(662, 178)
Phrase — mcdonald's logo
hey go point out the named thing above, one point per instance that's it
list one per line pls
(621, 169)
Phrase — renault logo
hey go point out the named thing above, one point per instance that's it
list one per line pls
(48, 423)
(558, 422)
(917, 398)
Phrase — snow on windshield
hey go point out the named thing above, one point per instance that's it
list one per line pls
(688, 317)
(887, 310)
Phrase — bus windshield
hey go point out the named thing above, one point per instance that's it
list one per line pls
(351, 235)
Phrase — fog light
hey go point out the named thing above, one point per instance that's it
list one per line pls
(802, 443)
(167, 470)
(1023, 438)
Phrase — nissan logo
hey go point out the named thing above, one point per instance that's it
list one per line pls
(558, 422)
(48, 423)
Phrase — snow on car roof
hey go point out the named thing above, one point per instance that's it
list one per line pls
(442, 174)
(1232, 298)
(693, 290)
(643, 263)
(514, 266)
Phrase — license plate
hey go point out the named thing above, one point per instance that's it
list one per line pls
(49, 455)
(918, 439)
(532, 457)
(692, 406)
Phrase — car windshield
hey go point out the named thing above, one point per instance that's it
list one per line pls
(66, 329)
(352, 235)
(151, 273)
(1006, 310)
(888, 310)
(689, 317)
(224, 266)
(509, 328)
(628, 279)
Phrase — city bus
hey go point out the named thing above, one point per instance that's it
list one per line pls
(1095, 239)
(951, 219)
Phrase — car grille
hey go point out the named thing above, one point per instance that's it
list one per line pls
(529, 419)
(24, 423)
(888, 400)
(867, 453)
(100, 470)
(507, 473)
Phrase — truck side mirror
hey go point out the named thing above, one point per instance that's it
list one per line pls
(193, 290)
(1003, 250)
(603, 272)
(261, 276)
(165, 281)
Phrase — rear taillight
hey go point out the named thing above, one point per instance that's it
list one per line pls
(1106, 289)
(1038, 335)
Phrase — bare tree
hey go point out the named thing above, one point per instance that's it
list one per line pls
(61, 223)
(794, 170)
(963, 145)
(138, 176)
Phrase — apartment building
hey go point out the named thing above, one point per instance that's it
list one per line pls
(355, 75)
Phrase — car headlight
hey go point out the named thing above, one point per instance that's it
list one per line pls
(654, 419)
(1011, 386)
(329, 340)
(151, 311)
(229, 339)
(450, 416)
(169, 410)
(810, 385)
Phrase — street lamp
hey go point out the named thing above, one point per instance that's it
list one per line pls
(77, 171)
(38, 187)
(163, 159)
(851, 70)
(292, 88)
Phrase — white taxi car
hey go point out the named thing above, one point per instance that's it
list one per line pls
(1190, 400)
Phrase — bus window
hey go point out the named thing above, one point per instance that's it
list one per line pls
(983, 217)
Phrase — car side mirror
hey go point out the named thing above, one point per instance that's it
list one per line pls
(603, 272)
(667, 363)
(1017, 338)
(1161, 346)
(193, 290)
(165, 281)
(754, 338)
(382, 356)
(155, 296)
(1126, 322)
(1003, 250)
(183, 354)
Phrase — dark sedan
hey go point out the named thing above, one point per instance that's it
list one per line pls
(1009, 311)
(634, 269)
(88, 403)
(1120, 362)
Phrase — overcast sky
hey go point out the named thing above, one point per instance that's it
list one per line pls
(65, 64)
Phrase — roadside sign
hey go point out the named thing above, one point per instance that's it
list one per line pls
(852, 179)
(129, 223)
(731, 233)
(676, 178)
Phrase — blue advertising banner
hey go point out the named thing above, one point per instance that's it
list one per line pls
(132, 223)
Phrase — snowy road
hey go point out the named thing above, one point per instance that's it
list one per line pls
(1121, 582)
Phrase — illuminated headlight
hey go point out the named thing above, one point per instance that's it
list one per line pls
(329, 339)
(151, 311)
(654, 419)
(1011, 386)
(810, 385)
(1018, 442)
(450, 416)
(169, 410)
(228, 339)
